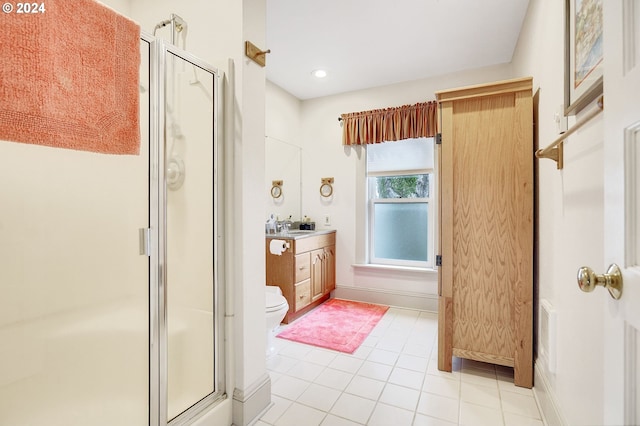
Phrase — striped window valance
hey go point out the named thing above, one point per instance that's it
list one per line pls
(390, 124)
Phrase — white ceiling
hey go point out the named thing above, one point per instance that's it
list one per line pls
(370, 43)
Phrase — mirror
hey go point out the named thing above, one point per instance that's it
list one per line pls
(283, 163)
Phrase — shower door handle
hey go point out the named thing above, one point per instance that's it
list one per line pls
(144, 235)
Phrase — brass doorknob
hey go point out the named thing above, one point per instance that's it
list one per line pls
(612, 280)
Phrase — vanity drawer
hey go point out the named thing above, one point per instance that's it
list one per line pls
(314, 242)
(303, 294)
(303, 266)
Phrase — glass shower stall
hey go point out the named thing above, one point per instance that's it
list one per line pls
(111, 303)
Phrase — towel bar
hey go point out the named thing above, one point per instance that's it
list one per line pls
(555, 149)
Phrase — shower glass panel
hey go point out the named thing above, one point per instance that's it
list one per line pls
(74, 291)
(190, 295)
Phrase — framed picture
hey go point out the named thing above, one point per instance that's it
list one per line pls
(583, 54)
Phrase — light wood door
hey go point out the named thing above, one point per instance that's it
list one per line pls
(622, 210)
(317, 274)
(330, 268)
(486, 226)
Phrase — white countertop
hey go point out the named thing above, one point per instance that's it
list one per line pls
(296, 234)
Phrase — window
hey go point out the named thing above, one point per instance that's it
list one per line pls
(400, 207)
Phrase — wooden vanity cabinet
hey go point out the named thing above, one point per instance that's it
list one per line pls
(323, 272)
(317, 271)
(305, 272)
(330, 268)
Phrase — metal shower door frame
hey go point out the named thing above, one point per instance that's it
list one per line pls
(158, 330)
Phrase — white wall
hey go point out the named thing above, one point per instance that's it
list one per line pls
(283, 113)
(249, 220)
(214, 28)
(121, 6)
(325, 156)
(570, 223)
(283, 150)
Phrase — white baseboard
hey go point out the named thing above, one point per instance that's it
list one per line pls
(421, 301)
(546, 398)
(249, 403)
(217, 416)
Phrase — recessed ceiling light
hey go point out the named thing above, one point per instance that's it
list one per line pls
(319, 73)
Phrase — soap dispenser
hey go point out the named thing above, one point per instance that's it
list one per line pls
(270, 226)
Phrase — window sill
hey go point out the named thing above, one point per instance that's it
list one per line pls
(393, 268)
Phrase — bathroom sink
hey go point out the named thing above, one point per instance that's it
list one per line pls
(300, 231)
(294, 234)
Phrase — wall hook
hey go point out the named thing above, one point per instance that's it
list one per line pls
(255, 54)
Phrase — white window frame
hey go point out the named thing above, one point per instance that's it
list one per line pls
(371, 202)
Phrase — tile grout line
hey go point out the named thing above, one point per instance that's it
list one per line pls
(417, 327)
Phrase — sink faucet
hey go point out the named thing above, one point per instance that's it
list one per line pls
(285, 226)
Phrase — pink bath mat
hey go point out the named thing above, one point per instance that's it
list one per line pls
(341, 325)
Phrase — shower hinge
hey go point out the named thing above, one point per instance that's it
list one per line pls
(438, 260)
(145, 241)
(438, 138)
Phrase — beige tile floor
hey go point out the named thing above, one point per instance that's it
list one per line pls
(392, 379)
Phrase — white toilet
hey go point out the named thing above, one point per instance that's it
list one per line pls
(276, 308)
